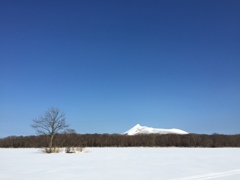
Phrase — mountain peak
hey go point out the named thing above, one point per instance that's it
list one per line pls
(138, 129)
(137, 126)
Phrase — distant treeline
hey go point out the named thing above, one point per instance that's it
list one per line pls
(116, 140)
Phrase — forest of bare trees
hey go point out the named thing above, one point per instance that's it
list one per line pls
(116, 140)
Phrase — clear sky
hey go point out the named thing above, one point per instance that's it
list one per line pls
(112, 64)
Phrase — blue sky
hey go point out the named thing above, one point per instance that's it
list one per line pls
(112, 64)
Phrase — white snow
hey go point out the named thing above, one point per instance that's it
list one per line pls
(138, 129)
(122, 164)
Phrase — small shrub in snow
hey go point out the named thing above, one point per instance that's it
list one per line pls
(79, 149)
(69, 150)
(52, 150)
(73, 149)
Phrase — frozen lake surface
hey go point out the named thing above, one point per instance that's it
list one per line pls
(122, 164)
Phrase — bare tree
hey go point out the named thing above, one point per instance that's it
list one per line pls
(50, 124)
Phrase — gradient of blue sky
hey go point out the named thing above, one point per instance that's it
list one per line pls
(112, 64)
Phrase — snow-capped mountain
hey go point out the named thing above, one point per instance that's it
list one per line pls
(138, 129)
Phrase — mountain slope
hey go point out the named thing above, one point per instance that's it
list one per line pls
(138, 129)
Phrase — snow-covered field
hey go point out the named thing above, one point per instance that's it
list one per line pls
(122, 164)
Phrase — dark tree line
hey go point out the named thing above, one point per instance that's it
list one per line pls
(116, 140)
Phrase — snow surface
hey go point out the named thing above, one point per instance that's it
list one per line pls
(138, 129)
(122, 164)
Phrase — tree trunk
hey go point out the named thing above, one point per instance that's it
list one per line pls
(50, 143)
